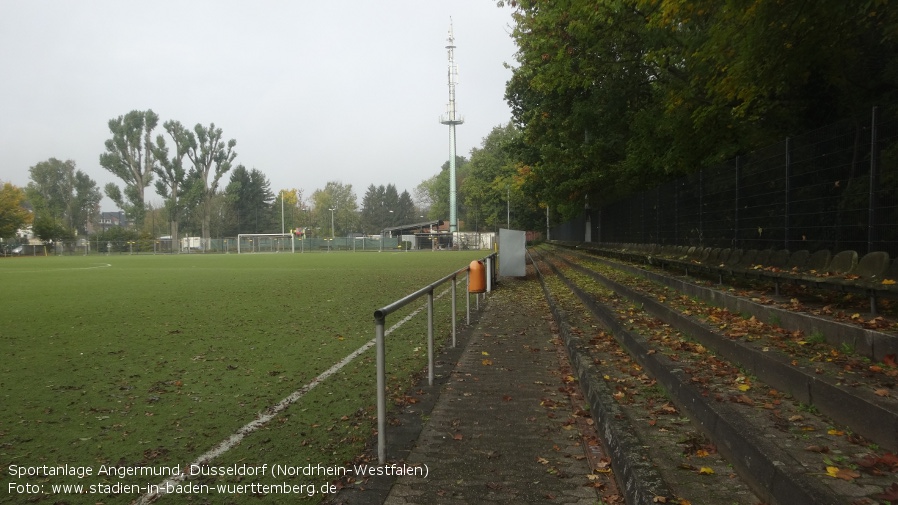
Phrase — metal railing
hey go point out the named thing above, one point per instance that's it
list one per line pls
(380, 320)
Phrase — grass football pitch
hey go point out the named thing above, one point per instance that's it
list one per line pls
(111, 363)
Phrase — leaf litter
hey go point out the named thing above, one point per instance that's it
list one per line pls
(723, 382)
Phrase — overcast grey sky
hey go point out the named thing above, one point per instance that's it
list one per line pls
(313, 91)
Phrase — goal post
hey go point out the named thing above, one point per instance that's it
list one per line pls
(265, 243)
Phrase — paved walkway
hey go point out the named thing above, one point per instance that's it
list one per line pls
(502, 429)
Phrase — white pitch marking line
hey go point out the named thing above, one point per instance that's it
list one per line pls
(53, 270)
(272, 412)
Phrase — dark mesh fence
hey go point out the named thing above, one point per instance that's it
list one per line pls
(666, 212)
(761, 185)
(832, 188)
(719, 191)
(884, 232)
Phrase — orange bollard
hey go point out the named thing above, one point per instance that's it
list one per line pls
(476, 277)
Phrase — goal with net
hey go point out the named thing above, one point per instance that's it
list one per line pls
(265, 243)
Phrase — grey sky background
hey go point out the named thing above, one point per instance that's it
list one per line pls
(312, 91)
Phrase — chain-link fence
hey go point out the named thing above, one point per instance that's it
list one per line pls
(833, 188)
(254, 244)
(194, 245)
(81, 247)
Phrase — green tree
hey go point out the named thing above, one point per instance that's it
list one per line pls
(116, 239)
(615, 95)
(170, 171)
(85, 207)
(495, 193)
(371, 218)
(292, 208)
(13, 213)
(425, 194)
(781, 67)
(129, 157)
(405, 209)
(435, 190)
(384, 207)
(581, 77)
(488, 182)
(345, 217)
(212, 158)
(63, 199)
(390, 206)
(191, 198)
(249, 193)
(224, 218)
(48, 229)
(155, 221)
(422, 199)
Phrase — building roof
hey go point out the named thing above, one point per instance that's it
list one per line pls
(413, 226)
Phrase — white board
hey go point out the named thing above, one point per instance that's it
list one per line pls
(512, 252)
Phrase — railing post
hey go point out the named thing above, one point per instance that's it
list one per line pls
(430, 337)
(467, 297)
(453, 311)
(381, 391)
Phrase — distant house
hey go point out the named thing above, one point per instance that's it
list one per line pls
(26, 236)
(111, 220)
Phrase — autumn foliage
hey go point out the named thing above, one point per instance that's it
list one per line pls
(615, 94)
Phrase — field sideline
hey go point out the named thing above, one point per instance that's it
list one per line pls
(150, 361)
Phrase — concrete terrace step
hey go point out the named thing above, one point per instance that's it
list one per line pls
(771, 439)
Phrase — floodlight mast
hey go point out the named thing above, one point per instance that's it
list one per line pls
(452, 118)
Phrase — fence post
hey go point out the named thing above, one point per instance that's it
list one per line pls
(381, 391)
(430, 338)
(642, 213)
(701, 206)
(677, 212)
(874, 180)
(736, 200)
(786, 216)
(658, 215)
